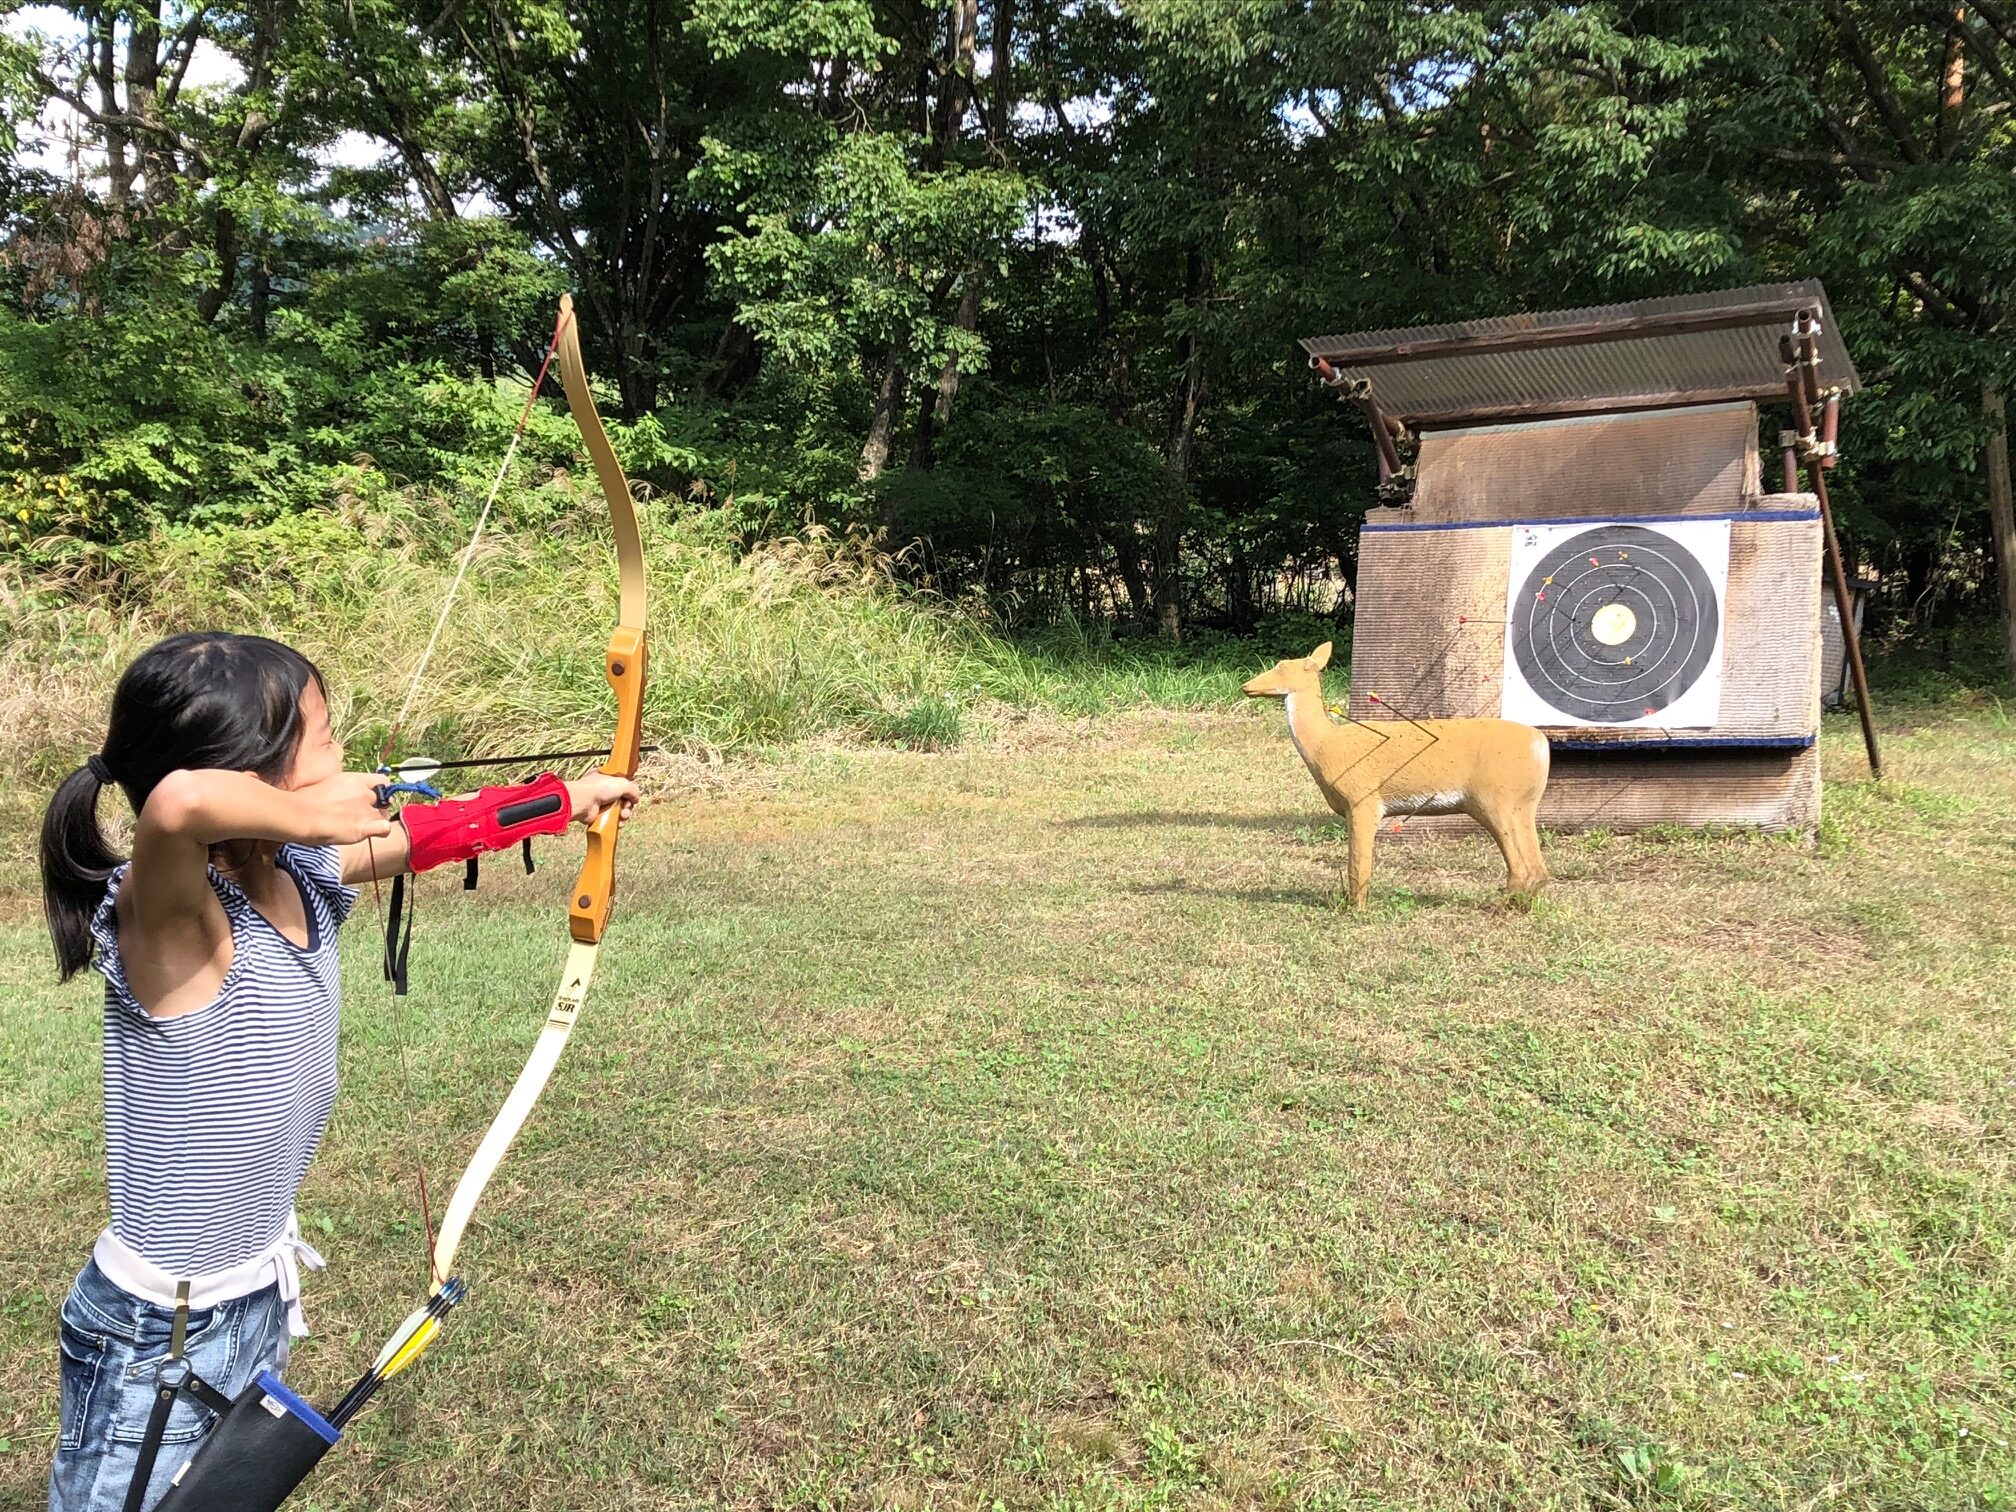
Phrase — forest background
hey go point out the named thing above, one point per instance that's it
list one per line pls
(995, 300)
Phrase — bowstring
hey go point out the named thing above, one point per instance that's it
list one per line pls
(475, 539)
(385, 751)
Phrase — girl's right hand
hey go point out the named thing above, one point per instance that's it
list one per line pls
(344, 809)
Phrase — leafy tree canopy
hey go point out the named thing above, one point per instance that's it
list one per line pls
(1017, 280)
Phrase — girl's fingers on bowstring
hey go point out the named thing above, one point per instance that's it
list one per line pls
(345, 809)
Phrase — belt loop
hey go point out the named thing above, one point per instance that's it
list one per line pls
(178, 1331)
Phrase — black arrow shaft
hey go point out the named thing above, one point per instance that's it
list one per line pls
(495, 761)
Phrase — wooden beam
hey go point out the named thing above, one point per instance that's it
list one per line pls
(1568, 409)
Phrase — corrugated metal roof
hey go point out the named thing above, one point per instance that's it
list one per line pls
(1685, 349)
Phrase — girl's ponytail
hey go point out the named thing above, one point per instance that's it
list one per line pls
(200, 701)
(76, 861)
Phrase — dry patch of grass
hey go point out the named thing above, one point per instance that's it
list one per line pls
(1031, 1125)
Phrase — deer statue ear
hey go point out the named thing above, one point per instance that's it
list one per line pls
(1320, 657)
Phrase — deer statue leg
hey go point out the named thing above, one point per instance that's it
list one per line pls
(1533, 874)
(1506, 835)
(1518, 840)
(1364, 822)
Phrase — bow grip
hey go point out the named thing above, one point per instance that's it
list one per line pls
(595, 885)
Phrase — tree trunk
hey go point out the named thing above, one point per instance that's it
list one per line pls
(2002, 517)
(225, 236)
(942, 124)
(1127, 563)
(398, 126)
(934, 411)
(1182, 441)
(966, 319)
(1002, 74)
(882, 428)
(143, 80)
(1108, 313)
(1240, 608)
(1953, 81)
(1168, 587)
(923, 453)
(262, 293)
(736, 359)
(121, 169)
(955, 94)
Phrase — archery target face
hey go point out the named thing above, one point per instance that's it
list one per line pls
(1616, 624)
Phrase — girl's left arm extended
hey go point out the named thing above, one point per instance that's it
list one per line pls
(586, 799)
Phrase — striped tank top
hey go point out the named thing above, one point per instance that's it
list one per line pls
(211, 1118)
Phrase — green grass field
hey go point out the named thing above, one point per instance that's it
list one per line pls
(1029, 1125)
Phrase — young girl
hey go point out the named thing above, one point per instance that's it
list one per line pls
(217, 941)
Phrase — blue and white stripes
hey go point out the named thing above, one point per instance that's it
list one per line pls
(211, 1118)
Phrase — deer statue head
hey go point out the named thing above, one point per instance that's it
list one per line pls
(1294, 674)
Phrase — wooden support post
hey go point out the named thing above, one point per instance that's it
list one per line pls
(1795, 389)
(2001, 514)
(1802, 387)
(1382, 433)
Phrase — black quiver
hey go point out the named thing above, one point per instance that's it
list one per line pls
(261, 1449)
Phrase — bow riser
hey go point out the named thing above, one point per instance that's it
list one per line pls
(595, 885)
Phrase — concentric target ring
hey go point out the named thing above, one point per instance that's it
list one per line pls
(1614, 624)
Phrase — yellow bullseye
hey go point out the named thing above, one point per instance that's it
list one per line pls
(1614, 624)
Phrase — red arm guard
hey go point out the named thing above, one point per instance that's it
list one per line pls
(456, 829)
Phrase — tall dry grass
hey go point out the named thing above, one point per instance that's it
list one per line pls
(796, 638)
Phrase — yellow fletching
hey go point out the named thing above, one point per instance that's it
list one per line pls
(400, 1336)
(413, 1348)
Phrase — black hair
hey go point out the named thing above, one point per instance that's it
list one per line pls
(200, 701)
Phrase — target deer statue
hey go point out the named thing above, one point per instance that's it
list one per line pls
(1491, 769)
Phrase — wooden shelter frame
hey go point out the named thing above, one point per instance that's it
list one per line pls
(1812, 442)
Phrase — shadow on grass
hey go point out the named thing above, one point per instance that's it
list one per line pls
(1192, 819)
(1394, 902)
(1321, 898)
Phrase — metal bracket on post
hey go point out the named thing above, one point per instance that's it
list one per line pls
(1396, 479)
(1788, 452)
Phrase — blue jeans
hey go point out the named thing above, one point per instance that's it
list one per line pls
(112, 1343)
